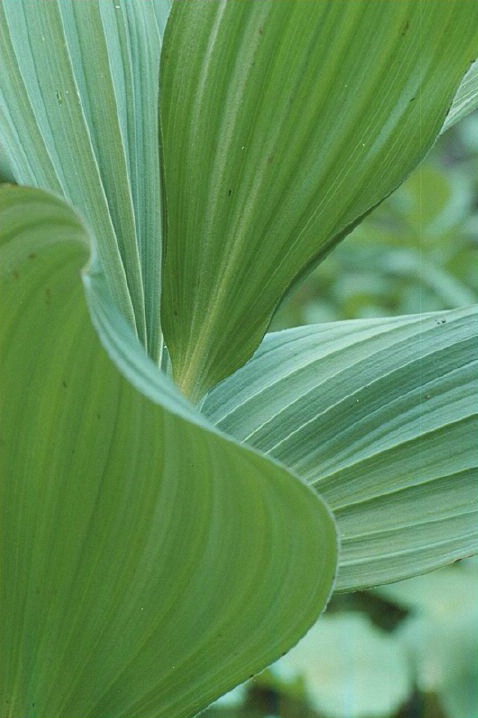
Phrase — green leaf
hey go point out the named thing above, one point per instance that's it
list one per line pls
(79, 101)
(284, 123)
(465, 100)
(380, 417)
(149, 562)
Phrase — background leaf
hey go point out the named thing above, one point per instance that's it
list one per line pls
(441, 633)
(380, 417)
(351, 668)
(149, 563)
(284, 124)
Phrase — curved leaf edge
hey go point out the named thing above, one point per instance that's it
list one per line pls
(141, 372)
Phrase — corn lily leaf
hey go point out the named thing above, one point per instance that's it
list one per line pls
(465, 100)
(132, 577)
(87, 130)
(150, 563)
(284, 123)
(380, 416)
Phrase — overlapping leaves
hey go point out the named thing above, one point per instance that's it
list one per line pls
(153, 562)
(283, 124)
(380, 416)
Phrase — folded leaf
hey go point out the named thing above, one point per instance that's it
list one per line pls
(380, 416)
(149, 562)
(283, 124)
(80, 108)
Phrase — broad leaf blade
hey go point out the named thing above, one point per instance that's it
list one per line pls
(283, 124)
(149, 562)
(380, 416)
(79, 100)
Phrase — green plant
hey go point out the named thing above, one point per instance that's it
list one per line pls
(162, 543)
(403, 650)
(440, 634)
(418, 249)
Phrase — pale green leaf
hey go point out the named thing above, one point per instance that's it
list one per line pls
(80, 117)
(149, 562)
(465, 100)
(441, 634)
(283, 124)
(351, 668)
(380, 416)
(440, 595)
(445, 659)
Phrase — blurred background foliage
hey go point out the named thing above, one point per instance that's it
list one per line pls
(409, 650)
